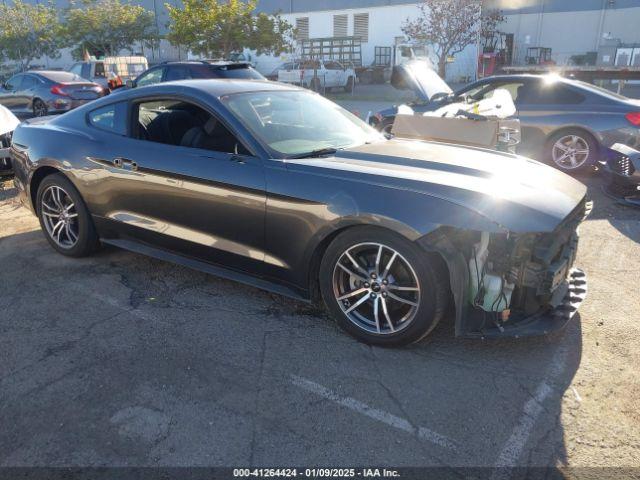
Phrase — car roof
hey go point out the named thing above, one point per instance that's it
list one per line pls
(216, 87)
(209, 63)
(53, 75)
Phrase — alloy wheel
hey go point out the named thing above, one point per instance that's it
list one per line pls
(39, 109)
(60, 216)
(570, 152)
(376, 288)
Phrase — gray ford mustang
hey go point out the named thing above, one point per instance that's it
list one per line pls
(277, 187)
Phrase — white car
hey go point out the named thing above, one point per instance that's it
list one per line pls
(318, 75)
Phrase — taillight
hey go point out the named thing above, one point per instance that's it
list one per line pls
(634, 118)
(59, 90)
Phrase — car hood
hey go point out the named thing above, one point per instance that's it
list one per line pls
(419, 77)
(516, 193)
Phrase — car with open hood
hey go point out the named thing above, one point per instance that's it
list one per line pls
(276, 186)
(564, 122)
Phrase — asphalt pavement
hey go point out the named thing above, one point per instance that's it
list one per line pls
(118, 359)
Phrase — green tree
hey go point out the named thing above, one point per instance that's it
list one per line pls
(449, 26)
(108, 26)
(214, 28)
(28, 32)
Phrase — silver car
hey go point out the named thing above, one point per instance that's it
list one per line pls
(40, 93)
(564, 122)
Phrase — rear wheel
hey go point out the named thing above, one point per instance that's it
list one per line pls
(381, 288)
(572, 150)
(64, 217)
(39, 108)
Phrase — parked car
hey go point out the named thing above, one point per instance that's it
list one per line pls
(44, 92)
(318, 74)
(111, 72)
(566, 123)
(278, 187)
(8, 123)
(171, 71)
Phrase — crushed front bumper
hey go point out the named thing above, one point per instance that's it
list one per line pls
(572, 293)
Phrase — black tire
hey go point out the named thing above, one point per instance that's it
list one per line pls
(350, 84)
(39, 108)
(583, 139)
(87, 237)
(428, 268)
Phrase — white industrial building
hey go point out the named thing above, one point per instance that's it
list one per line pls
(568, 27)
(377, 23)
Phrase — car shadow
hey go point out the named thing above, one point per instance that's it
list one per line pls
(624, 218)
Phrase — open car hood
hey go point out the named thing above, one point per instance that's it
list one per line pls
(8, 121)
(419, 76)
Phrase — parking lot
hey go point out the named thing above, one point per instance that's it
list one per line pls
(120, 359)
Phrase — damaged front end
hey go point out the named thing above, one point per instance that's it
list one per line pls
(513, 285)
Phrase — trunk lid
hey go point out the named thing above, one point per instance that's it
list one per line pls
(80, 90)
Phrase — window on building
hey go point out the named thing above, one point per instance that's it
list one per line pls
(340, 24)
(302, 27)
(361, 26)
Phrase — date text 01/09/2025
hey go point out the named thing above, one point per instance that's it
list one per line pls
(315, 472)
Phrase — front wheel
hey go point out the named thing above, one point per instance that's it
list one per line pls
(64, 217)
(381, 288)
(572, 150)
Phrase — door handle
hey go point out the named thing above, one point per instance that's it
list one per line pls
(120, 162)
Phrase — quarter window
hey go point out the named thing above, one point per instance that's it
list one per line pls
(112, 118)
(558, 94)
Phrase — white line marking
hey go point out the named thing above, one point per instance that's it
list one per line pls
(379, 415)
(514, 446)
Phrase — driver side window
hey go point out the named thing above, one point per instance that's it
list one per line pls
(184, 124)
(14, 83)
(486, 91)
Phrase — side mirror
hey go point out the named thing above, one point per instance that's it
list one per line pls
(130, 83)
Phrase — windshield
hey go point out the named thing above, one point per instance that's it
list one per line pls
(295, 123)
